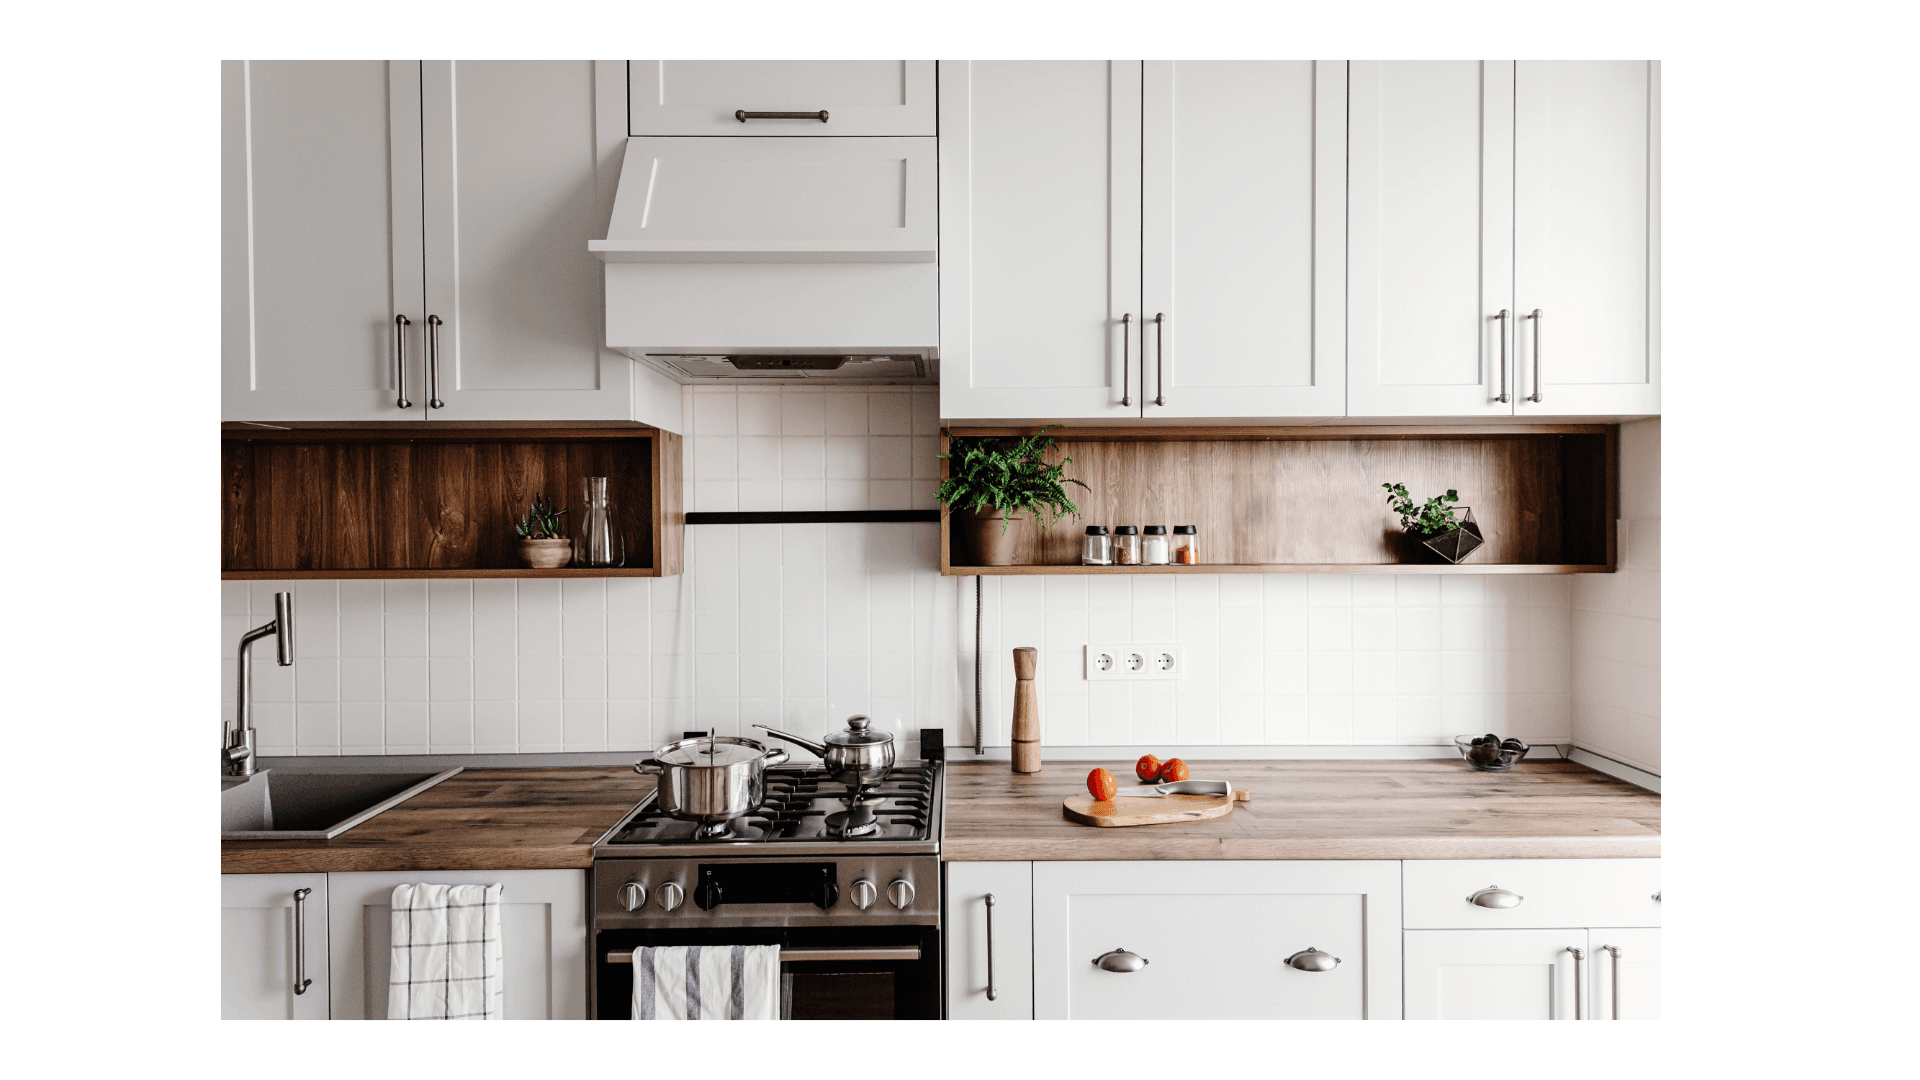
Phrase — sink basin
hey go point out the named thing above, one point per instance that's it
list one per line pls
(318, 803)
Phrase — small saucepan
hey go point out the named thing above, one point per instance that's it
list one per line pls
(711, 779)
(857, 757)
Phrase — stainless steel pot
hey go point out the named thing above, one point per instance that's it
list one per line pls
(711, 779)
(856, 757)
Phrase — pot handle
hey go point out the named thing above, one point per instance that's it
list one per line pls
(819, 749)
(773, 756)
(648, 767)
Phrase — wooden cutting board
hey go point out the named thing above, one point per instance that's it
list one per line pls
(1111, 813)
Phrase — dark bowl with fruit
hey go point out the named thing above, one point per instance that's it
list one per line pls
(1491, 753)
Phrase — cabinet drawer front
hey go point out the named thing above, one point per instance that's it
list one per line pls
(1556, 892)
(700, 97)
(1216, 938)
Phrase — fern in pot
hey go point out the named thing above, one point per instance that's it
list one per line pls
(992, 482)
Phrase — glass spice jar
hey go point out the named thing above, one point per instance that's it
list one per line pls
(1097, 548)
(1153, 546)
(1126, 545)
(1186, 546)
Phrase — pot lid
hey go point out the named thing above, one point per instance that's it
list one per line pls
(859, 733)
(715, 752)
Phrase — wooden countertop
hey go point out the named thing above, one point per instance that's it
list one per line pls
(1422, 809)
(482, 819)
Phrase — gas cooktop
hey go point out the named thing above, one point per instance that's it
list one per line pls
(803, 809)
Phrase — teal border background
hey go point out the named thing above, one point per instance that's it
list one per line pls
(1790, 289)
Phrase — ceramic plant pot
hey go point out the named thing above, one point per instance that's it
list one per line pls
(546, 554)
(981, 536)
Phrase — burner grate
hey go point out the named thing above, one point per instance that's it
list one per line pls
(800, 805)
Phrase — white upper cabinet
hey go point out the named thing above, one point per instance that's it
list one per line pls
(1040, 239)
(1243, 238)
(1483, 192)
(707, 97)
(320, 240)
(1586, 227)
(1430, 238)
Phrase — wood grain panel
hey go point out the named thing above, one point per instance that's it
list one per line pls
(1293, 499)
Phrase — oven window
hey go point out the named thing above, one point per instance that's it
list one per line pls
(862, 995)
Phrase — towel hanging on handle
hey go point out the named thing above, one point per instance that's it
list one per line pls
(447, 962)
(711, 982)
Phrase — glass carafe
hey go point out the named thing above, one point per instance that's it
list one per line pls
(596, 542)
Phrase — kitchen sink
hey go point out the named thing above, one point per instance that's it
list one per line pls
(318, 803)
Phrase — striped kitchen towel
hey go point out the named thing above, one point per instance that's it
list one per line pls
(447, 963)
(707, 982)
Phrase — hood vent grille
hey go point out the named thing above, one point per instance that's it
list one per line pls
(838, 367)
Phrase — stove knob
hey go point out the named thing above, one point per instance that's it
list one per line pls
(632, 895)
(864, 894)
(707, 895)
(901, 893)
(827, 895)
(668, 896)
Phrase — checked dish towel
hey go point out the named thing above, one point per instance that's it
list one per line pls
(447, 963)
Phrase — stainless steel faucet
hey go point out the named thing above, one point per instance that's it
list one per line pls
(236, 755)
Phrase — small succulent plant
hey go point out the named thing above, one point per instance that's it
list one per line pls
(541, 521)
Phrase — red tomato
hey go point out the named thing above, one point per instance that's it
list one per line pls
(1174, 769)
(1101, 784)
(1147, 768)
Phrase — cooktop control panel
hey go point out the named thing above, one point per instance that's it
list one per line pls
(692, 893)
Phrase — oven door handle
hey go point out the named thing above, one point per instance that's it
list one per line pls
(791, 956)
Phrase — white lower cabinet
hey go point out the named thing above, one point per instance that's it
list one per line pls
(273, 940)
(1219, 940)
(543, 927)
(1491, 974)
(1626, 973)
(989, 941)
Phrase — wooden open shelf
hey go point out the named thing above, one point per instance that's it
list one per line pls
(1308, 500)
(403, 499)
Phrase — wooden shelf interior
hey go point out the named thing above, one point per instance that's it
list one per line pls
(1309, 500)
(435, 500)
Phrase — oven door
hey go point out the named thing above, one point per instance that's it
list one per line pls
(826, 973)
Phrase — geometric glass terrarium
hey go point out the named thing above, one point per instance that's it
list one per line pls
(1456, 544)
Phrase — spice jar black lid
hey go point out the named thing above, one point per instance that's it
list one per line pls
(1183, 528)
(1125, 530)
(1156, 530)
(1096, 530)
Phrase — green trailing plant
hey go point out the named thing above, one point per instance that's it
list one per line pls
(541, 521)
(1009, 475)
(1432, 518)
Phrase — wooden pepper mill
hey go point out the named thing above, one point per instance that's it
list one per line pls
(1026, 712)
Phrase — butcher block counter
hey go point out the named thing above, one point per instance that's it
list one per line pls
(1421, 809)
(480, 819)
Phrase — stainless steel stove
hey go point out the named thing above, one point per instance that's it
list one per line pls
(846, 883)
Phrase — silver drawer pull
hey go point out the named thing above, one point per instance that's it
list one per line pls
(992, 994)
(300, 980)
(1493, 896)
(744, 115)
(798, 956)
(1312, 959)
(1120, 960)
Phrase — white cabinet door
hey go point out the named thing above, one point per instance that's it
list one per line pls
(519, 172)
(989, 961)
(1430, 238)
(1216, 937)
(1040, 312)
(320, 240)
(1626, 986)
(1491, 974)
(261, 947)
(1244, 213)
(543, 926)
(1586, 197)
(860, 97)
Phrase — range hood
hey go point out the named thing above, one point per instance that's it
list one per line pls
(787, 260)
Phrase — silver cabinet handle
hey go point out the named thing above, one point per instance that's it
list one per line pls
(1120, 960)
(744, 115)
(992, 994)
(1535, 396)
(1504, 395)
(632, 895)
(1126, 361)
(300, 980)
(1312, 959)
(1493, 896)
(1579, 983)
(1656, 898)
(1159, 361)
(433, 363)
(400, 325)
(1615, 951)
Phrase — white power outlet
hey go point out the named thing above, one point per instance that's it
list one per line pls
(1132, 662)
